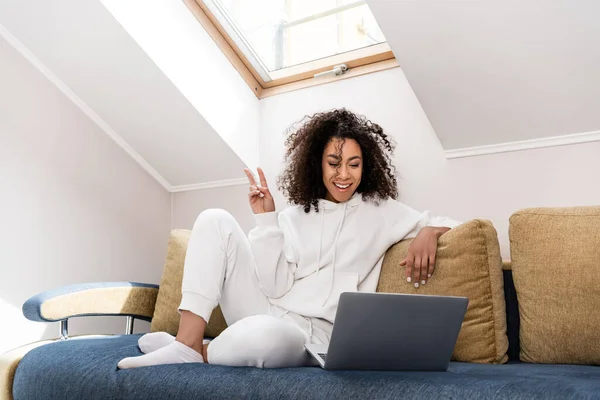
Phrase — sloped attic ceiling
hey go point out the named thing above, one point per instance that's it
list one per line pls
(485, 72)
(80, 43)
(489, 72)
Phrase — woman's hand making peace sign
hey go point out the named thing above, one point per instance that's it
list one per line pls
(260, 197)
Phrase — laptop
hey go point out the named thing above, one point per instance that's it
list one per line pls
(394, 332)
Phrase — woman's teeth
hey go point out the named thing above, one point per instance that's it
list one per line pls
(342, 186)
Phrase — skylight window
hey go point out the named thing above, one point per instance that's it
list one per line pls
(283, 41)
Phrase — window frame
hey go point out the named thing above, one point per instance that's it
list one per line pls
(362, 61)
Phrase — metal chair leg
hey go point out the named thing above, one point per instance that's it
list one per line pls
(129, 326)
(64, 329)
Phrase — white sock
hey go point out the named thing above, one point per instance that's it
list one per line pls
(153, 341)
(157, 340)
(173, 353)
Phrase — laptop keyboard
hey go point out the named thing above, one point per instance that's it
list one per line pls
(323, 356)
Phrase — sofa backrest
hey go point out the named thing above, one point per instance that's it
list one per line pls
(468, 264)
(545, 242)
(555, 256)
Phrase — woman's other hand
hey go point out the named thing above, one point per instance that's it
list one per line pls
(420, 260)
(259, 197)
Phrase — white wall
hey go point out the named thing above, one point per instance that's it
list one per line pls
(234, 199)
(496, 185)
(74, 206)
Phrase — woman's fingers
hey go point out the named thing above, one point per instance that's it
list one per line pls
(261, 177)
(431, 267)
(428, 268)
(408, 262)
(417, 270)
(253, 196)
(260, 197)
(263, 180)
(264, 190)
(255, 190)
(421, 257)
(424, 266)
(250, 177)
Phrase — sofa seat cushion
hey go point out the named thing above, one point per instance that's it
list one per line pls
(8, 366)
(87, 369)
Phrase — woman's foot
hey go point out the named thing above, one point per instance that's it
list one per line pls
(188, 346)
(153, 341)
(157, 340)
(173, 353)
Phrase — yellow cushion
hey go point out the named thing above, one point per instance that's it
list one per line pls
(166, 314)
(556, 269)
(468, 264)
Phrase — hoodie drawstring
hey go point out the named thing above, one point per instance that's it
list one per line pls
(337, 236)
(318, 267)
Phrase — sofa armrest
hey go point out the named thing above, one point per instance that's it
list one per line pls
(93, 299)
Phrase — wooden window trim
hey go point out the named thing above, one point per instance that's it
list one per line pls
(360, 62)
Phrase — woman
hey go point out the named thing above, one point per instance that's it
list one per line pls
(279, 288)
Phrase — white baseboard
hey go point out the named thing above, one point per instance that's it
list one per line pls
(209, 185)
(576, 138)
(60, 85)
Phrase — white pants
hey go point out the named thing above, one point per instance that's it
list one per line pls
(220, 269)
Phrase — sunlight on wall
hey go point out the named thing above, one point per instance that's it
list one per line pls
(16, 329)
(168, 32)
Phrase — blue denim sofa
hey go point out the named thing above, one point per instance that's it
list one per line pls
(87, 369)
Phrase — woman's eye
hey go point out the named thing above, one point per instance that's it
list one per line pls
(355, 165)
(333, 165)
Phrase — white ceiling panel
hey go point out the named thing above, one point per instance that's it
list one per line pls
(489, 72)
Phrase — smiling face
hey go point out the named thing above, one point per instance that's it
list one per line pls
(342, 169)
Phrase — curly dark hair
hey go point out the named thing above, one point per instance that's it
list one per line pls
(302, 179)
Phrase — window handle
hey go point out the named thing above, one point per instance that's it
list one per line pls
(337, 70)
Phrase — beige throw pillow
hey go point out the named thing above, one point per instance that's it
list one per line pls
(468, 264)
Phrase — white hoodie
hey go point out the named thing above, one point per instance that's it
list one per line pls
(304, 261)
